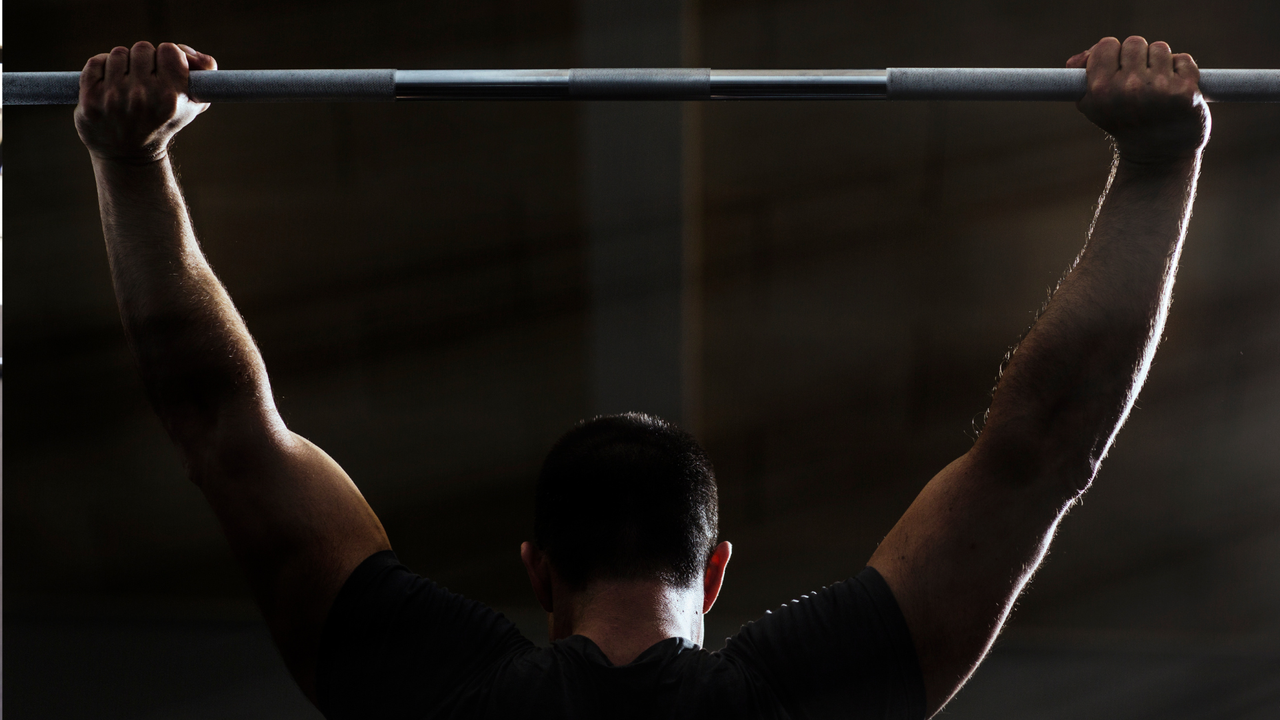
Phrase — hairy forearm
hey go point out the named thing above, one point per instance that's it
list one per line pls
(195, 353)
(1069, 385)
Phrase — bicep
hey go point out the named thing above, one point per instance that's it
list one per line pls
(296, 523)
(958, 558)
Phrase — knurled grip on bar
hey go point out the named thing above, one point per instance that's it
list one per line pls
(63, 88)
(1240, 85)
(40, 88)
(985, 84)
(1059, 84)
(293, 85)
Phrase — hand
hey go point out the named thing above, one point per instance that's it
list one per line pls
(1146, 98)
(133, 101)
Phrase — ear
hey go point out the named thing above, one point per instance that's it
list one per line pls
(715, 575)
(539, 569)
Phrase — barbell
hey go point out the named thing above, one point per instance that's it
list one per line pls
(1064, 84)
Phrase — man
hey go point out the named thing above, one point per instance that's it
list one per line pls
(626, 558)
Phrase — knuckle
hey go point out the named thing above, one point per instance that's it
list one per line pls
(136, 98)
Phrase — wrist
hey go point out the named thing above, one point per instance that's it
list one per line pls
(1159, 152)
(129, 161)
(127, 175)
(1156, 163)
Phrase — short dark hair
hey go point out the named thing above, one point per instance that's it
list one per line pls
(627, 497)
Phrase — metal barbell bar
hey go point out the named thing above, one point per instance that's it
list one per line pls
(1064, 84)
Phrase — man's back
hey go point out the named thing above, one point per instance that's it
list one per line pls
(397, 645)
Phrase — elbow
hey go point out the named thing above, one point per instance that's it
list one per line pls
(1030, 454)
(226, 439)
(200, 390)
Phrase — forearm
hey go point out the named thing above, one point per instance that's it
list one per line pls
(194, 351)
(294, 519)
(966, 547)
(1071, 382)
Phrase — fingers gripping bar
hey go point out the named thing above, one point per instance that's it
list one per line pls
(62, 88)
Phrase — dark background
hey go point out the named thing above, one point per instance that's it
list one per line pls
(426, 284)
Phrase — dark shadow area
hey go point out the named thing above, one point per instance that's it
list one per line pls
(418, 279)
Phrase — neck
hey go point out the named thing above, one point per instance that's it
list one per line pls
(626, 617)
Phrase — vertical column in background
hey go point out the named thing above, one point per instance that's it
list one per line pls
(642, 190)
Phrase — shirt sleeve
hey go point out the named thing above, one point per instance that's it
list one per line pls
(398, 645)
(844, 651)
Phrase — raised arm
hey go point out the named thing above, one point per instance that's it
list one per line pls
(295, 521)
(958, 558)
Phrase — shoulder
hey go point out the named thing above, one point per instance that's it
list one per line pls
(396, 642)
(844, 646)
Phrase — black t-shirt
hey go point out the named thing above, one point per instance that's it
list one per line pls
(397, 645)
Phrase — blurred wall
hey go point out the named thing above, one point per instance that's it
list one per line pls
(417, 277)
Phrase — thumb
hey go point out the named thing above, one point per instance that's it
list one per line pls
(198, 60)
(1078, 60)
(171, 64)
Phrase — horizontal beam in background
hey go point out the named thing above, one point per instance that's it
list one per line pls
(61, 88)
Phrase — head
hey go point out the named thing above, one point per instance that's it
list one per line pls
(625, 499)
